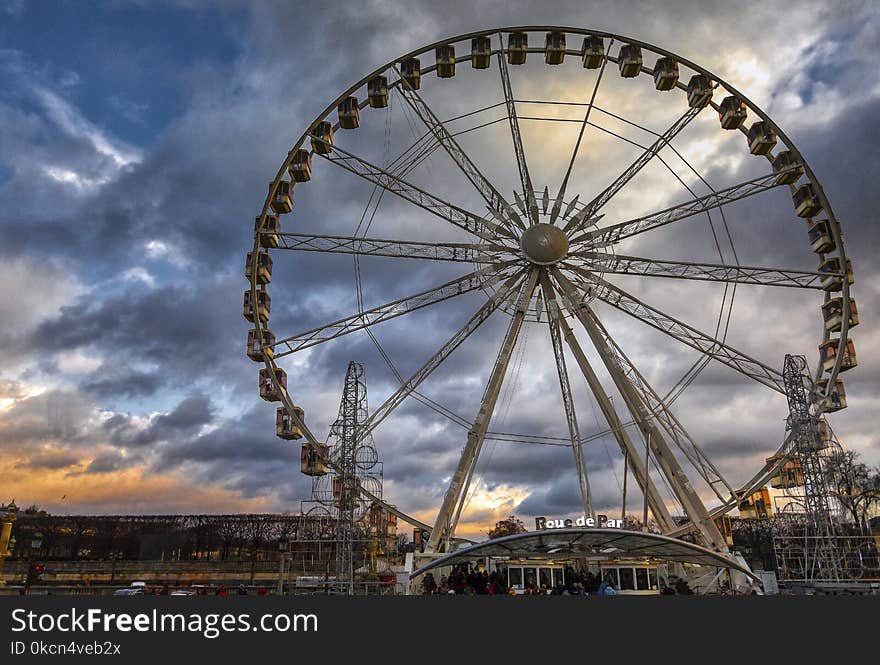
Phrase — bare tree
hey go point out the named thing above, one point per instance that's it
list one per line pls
(854, 485)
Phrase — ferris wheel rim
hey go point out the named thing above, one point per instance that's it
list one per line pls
(840, 250)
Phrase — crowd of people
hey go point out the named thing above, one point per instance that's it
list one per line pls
(465, 580)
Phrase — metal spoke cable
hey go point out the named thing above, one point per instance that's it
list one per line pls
(561, 193)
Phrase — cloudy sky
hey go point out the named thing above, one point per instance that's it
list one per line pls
(136, 143)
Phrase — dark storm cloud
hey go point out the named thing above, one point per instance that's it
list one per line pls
(198, 185)
(121, 381)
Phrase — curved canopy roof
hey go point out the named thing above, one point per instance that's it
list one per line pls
(589, 542)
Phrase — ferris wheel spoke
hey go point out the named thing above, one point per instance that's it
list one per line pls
(493, 198)
(552, 309)
(696, 339)
(524, 177)
(624, 377)
(593, 207)
(433, 251)
(411, 385)
(617, 428)
(617, 232)
(713, 272)
(661, 412)
(453, 500)
(557, 205)
(482, 278)
(470, 222)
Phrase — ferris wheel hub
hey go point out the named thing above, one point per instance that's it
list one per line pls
(544, 244)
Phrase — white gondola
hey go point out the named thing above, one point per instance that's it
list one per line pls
(377, 92)
(828, 355)
(517, 47)
(411, 72)
(554, 48)
(282, 202)
(593, 51)
(445, 57)
(269, 232)
(629, 60)
(286, 427)
(322, 138)
(481, 52)
(761, 138)
(260, 346)
(264, 305)
(833, 402)
(349, 113)
(806, 203)
(821, 238)
(832, 314)
(665, 74)
(788, 166)
(732, 112)
(830, 269)
(699, 91)
(300, 168)
(261, 265)
(312, 458)
(268, 391)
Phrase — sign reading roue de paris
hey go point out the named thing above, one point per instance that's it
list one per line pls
(583, 521)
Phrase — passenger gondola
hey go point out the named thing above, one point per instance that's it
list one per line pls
(264, 304)
(806, 202)
(593, 51)
(269, 232)
(554, 48)
(788, 167)
(629, 60)
(260, 346)
(833, 402)
(517, 47)
(481, 52)
(832, 314)
(821, 238)
(259, 265)
(699, 91)
(732, 112)
(761, 138)
(665, 74)
(322, 138)
(445, 58)
(828, 355)
(830, 269)
(286, 427)
(282, 202)
(411, 72)
(349, 113)
(300, 168)
(377, 92)
(268, 391)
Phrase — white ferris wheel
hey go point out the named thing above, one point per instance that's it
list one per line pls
(546, 242)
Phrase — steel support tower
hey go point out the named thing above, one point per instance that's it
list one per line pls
(821, 549)
(346, 493)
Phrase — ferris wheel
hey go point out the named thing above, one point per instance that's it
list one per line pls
(547, 247)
